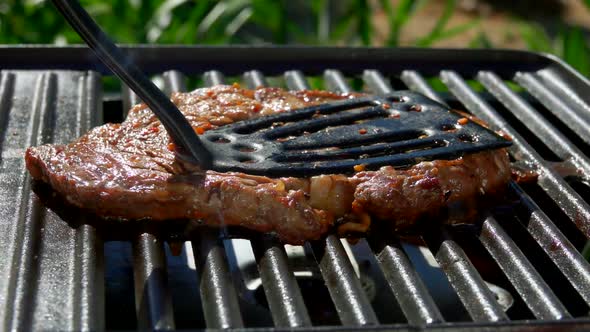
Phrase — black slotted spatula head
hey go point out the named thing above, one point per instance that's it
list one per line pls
(399, 129)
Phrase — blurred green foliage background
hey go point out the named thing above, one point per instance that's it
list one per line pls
(321, 22)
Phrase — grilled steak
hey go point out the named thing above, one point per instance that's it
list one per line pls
(129, 171)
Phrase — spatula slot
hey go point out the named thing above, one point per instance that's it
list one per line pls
(325, 140)
(448, 127)
(361, 152)
(245, 147)
(415, 108)
(396, 99)
(397, 160)
(246, 159)
(219, 139)
(251, 126)
(320, 123)
(467, 137)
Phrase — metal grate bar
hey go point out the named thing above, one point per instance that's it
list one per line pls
(532, 288)
(567, 113)
(350, 301)
(335, 81)
(218, 294)
(174, 81)
(541, 228)
(295, 80)
(559, 249)
(213, 77)
(376, 82)
(470, 287)
(280, 286)
(406, 284)
(570, 202)
(25, 245)
(88, 286)
(561, 87)
(89, 280)
(416, 82)
(533, 120)
(153, 301)
(275, 60)
(39, 240)
(130, 99)
(254, 79)
(409, 290)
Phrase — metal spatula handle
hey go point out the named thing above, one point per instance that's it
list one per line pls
(175, 123)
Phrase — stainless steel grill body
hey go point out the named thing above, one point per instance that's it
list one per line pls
(59, 271)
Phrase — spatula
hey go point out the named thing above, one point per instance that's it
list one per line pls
(399, 129)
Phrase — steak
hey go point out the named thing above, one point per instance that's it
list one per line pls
(129, 171)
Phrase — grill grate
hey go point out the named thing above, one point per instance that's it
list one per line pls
(57, 271)
(41, 255)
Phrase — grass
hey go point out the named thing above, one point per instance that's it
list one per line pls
(570, 44)
(321, 22)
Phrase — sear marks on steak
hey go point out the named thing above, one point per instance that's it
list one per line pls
(129, 171)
